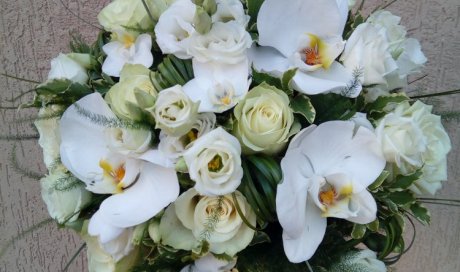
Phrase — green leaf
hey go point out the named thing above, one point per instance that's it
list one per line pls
(259, 78)
(332, 107)
(374, 225)
(421, 213)
(402, 198)
(391, 205)
(260, 237)
(253, 9)
(405, 181)
(59, 91)
(383, 102)
(378, 182)
(302, 105)
(286, 81)
(358, 231)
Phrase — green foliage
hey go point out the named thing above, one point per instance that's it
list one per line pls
(380, 107)
(358, 231)
(67, 183)
(253, 10)
(333, 107)
(212, 220)
(421, 213)
(172, 71)
(262, 174)
(283, 83)
(58, 91)
(302, 105)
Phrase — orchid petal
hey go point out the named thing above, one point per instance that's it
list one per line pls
(106, 232)
(156, 188)
(281, 23)
(336, 79)
(268, 60)
(367, 208)
(302, 248)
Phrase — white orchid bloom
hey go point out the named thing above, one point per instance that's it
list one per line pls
(175, 27)
(218, 87)
(307, 35)
(140, 189)
(127, 49)
(326, 171)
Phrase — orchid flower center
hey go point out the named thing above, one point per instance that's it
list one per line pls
(215, 165)
(114, 174)
(329, 195)
(317, 52)
(312, 56)
(127, 40)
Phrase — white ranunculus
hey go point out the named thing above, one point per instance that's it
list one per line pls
(218, 87)
(209, 263)
(174, 112)
(63, 204)
(214, 163)
(116, 255)
(225, 43)
(367, 50)
(412, 137)
(359, 261)
(304, 34)
(50, 138)
(185, 223)
(173, 147)
(324, 176)
(230, 10)
(127, 50)
(71, 66)
(139, 189)
(175, 27)
(406, 52)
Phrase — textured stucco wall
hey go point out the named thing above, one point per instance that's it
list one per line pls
(34, 31)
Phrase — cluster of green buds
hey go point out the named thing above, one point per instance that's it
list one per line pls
(204, 11)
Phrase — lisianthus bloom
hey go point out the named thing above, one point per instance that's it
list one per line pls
(139, 189)
(127, 49)
(326, 171)
(70, 66)
(214, 163)
(307, 35)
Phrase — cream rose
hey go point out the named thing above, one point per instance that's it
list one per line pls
(412, 137)
(174, 112)
(225, 43)
(63, 205)
(214, 163)
(128, 142)
(124, 13)
(368, 50)
(133, 93)
(185, 223)
(264, 120)
(70, 66)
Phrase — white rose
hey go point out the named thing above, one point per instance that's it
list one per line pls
(367, 49)
(406, 52)
(50, 138)
(209, 263)
(128, 142)
(175, 27)
(214, 163)
(174, 112)
(174, 147)
(63, 204)
(185, 223)
(124, 13)
(228, 10)
(225, 43)
(412, 137)
(71, 66)
(117, 255)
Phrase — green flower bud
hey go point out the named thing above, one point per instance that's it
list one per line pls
(202, 21)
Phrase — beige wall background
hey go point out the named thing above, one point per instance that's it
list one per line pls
(34, 31)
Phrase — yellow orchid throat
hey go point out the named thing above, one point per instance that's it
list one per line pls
(115, 175)
(331, 198)
(316, 53)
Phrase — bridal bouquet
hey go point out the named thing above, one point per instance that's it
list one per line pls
(227, 135)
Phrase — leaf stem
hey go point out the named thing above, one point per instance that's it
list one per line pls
(20, 78)
(80, 249)
(436, 94)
